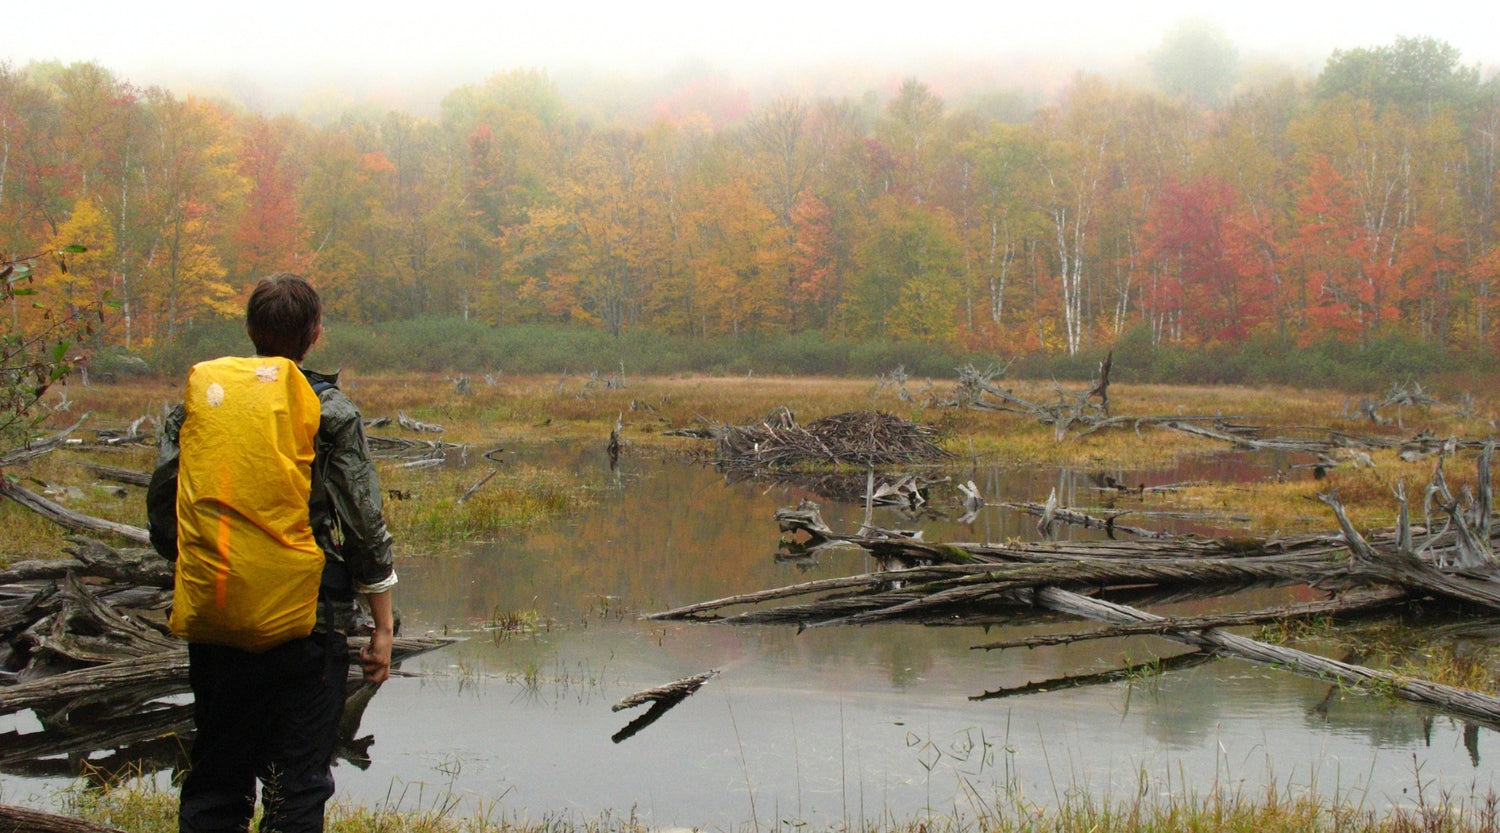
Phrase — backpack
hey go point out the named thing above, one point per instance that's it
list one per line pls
(248, 568)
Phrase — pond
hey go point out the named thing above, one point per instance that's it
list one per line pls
(835, 724)
(830, 725)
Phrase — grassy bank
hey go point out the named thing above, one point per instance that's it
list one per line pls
(152, 810)
(511, 411)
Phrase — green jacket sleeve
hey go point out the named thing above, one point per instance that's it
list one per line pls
(161, 494)
(353, 493)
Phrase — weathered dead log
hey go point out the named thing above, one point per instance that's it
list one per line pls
(66, 517)
(143, 678)
(95, 559)
(413, 425)
(1114, 675)
(37, 448)
(1406, 570)
(805, 524)
(1350, 604)
(84, 631)
(488, 455)
(21, 820)
(130, 435)
(1451, 700)
(16, 618)
(51, 569)
(906, 595)
(401, 447)
(1110, 524)
(139, 566)
(671, 691)
(130, 477)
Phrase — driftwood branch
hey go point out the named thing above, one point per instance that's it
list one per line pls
(662, 700)
(488, 455)
(671, 691)
(1114, 675)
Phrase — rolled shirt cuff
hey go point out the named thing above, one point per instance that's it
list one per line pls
(378, 587)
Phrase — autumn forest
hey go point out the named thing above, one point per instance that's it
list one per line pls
(1352, 205)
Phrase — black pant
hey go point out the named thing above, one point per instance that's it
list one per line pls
(273, 717)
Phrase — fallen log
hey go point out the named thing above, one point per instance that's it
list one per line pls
(65, 517)
(1355, 603)
(1456, 701)
(488, 455)
(413, 425)
(1403, 568)
(37, 448)
(1188, 659)
(908, 593)
(1109, 524)
(21, 820)
(130, 477)
(85, 631)
(144, 678)
(95, 559)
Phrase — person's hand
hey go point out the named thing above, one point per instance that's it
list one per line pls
(375, 658)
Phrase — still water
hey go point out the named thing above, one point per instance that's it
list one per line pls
(828, 725)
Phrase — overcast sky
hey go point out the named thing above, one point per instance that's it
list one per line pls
(389, 42)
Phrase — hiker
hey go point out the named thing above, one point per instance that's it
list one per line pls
(265, 499)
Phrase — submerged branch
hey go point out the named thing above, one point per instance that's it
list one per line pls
(1357, 602)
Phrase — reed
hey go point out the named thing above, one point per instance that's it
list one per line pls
(148, 808)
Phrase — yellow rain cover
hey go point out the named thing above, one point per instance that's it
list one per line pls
(248, 568)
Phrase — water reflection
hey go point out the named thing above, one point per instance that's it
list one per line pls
(830, 725)
(837, 724)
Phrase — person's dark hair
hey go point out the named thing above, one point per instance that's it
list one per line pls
(283, 316)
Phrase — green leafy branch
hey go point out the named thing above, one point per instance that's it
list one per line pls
(32, 362)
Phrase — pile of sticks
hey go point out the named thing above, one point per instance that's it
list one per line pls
(865, 438)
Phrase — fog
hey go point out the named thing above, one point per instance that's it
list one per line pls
(279, 55)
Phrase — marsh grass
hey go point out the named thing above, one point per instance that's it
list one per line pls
(1412, 651)
(423, 505)
(506, 410)
(514, 623)
(146, 808)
